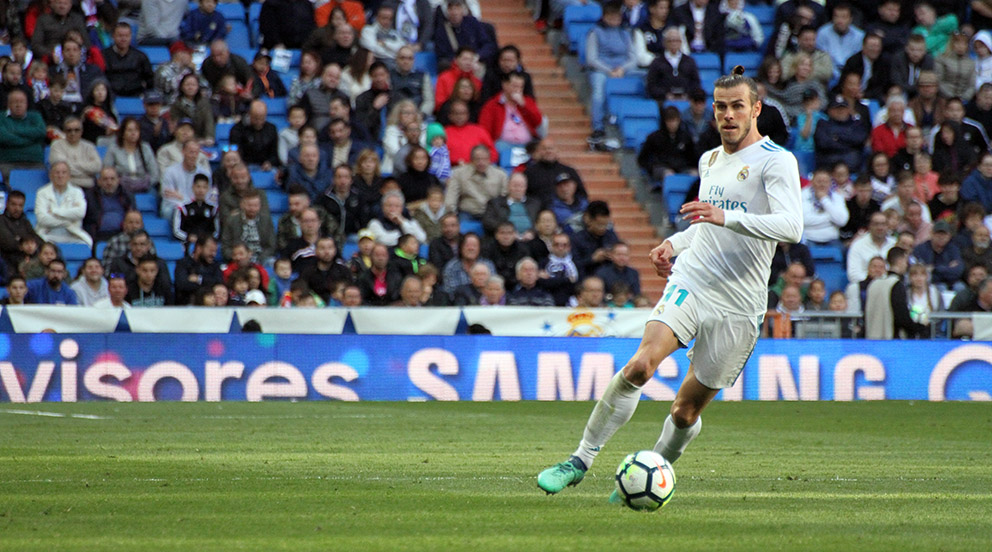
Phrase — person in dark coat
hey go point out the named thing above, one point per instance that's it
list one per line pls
(666, 81)
(840, 138)
(257, 139)
(669, 149)
(285, 23)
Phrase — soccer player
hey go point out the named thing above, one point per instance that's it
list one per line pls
(749, 199)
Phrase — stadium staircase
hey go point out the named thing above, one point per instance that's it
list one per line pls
(569, 126)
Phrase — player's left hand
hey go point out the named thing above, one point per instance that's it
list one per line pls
(698, 211)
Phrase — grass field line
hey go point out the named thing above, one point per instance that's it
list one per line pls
(54, 414)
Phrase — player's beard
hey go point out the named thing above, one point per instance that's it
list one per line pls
(744, 128)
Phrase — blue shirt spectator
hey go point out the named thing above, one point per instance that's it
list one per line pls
(51, 290)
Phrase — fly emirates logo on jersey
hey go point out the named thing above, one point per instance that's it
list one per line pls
(722, 188)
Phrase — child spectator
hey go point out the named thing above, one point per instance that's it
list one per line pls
(620, 296)
(38, 80)
(36, 259)
(197, 217)
(238, 282)
(281, 281)
(230, 102)
(925, 178)
(289, 137)
(430, 212)
(816, 296)
(54, 109)
(204, 24)
(265, 83)
(100, 120)
(440, 165)
(17, 292)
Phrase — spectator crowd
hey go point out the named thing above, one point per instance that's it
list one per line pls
(328, 169)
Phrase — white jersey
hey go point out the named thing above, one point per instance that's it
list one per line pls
(758, 189)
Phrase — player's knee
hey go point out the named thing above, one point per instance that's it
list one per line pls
(639, 370)
(684, 414)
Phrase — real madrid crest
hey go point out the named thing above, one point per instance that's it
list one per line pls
(713, 158)
(742, 176)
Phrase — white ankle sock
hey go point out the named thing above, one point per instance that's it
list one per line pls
(611, 412)
(673, 439)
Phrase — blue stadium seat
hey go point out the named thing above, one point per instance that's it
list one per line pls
(577, 39)
(129, 107)
(157, 55)
(171, 269)
(222, 132)
(426, 62)
(640, 108)
(276, 106)
(673, 201)
(101, 151)
(238, 37)
(764, 13)
(707, 60)
(244, 52)
(681, 105)
(636, 130)
(233, 11)
(31, 216)
(679, 183)
(34, 178)
(825, 253)
(75, 251)
(146, 203)
(72, 269)
(750, 60)
(5, 50)
(621, 90)
(158, 227)
(264, 180)
(275, 220)
(253, 14)
(833, 275)
(873, 108)
(278, 201)
(168, 250)
(589, 13)
(100, 246)
(708, 76)
(470, 225)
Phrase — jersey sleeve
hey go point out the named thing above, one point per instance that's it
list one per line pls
(682, 240)
(784, 222)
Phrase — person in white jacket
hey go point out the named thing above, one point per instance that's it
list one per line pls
(388, 227)
(381, 38)
(81, 155)
(824, 211)
(60, 207)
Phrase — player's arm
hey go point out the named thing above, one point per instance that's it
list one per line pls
(783, 223)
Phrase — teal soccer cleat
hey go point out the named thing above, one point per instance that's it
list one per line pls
(566, 474)
(615, 498)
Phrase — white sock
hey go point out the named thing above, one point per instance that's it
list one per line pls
(611, 412)
(673, 439)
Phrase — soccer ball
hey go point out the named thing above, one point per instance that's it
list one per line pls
(645, 480)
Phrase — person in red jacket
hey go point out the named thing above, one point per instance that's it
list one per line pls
(463, 136)
(511, 118)
(466, 61)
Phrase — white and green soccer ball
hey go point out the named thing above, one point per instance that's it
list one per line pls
(645, 480)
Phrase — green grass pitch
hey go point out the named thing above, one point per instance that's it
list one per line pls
(461, 476)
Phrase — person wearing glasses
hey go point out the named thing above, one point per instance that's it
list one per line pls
(81, 155)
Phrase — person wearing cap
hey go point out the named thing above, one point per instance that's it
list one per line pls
(127, 69)
(927, 106)
(81, 155)
(839, 138)
(266, 83)
(460, 29)
(167, 75)
(566, 205)
(154, 128)
(203, 24)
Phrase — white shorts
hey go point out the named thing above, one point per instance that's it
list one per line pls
(724, 341)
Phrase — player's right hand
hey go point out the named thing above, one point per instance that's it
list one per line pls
(661, 259)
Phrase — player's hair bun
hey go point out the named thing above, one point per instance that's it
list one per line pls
(737, 70)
